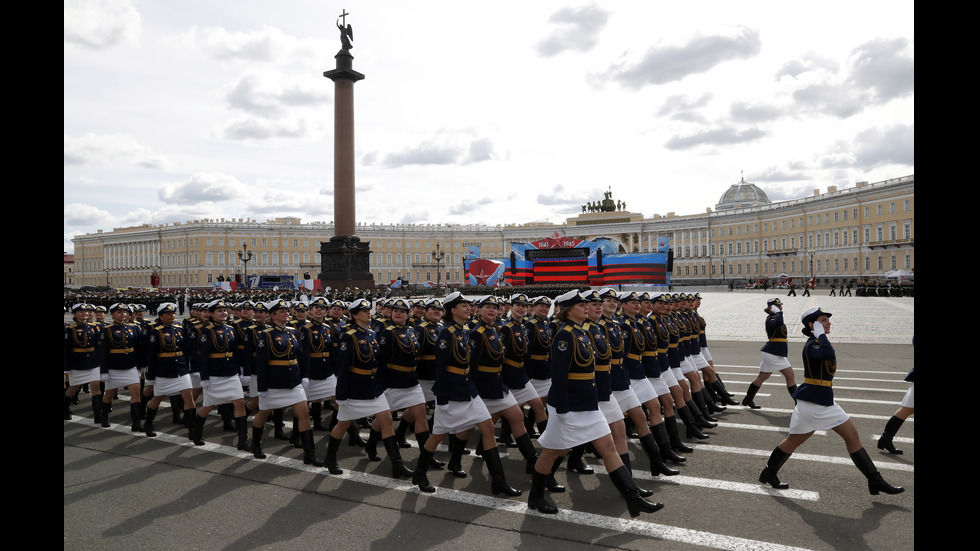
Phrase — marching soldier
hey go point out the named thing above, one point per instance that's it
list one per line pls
(167, 371)
(83, 358)
(123, 356)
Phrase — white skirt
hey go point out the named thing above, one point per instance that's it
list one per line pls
(772, 363)
(401, 398)
(700, 362)
(320, 389)
(541, 386)
(705, 354)
(276, 398)
(567, 430)
(500, 404)
(427, 390)
(808, 417)
(660, 386)
(687, 365)
(351, 410)
(627, 399)
(678, 374)
(669, 377)
(121, 378)
(76, 377)
(171, 386)
(909, 400)
(223, 390)
(643, 389)
(524, 395)
(456, 417)
(611, 411)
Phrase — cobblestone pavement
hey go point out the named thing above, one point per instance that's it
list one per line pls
(739, 316)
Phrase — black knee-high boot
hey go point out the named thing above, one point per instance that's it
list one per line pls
(177, 409)
(635, 503)
(398, 468)
(227, 412)
(891, 429)
(67, 407)
(875, 482)
(331, 459)
(197, 434)
(506, 436)
(371, 447)
(670, 423)
(690, 423)
(657, 465)
(257, 442)
(316, 413)
(419, 477)
(106, 408)
(294, 434)
(576, 463)
(498, 482)
(400, 432)
(354, 436)
(550, 482)
(530, 455)
(241, 427)
(98, 411)
(776, 460)
(455, 465)
(536, 498)
(707, 403)
(135, 413)
(792, 391)
(750, 395)
(278, 425)
(151, 415)
(663, 442)
(309, 449)
(723, 396)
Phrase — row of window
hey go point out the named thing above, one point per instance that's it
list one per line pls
(840, 266)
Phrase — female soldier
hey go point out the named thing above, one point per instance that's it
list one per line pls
(774, 353)
(573, 411)
(536, 362)
(398, 358)
(123, 355)
(816, 409)
(486, 362)
(220, 374)
(895, 422)
(279, 380)
(83, 356)
(318, 342)
(458, 405)
(360, 393)
(167, 372)
(513, 333)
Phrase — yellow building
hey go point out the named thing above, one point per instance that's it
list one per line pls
(834, 235)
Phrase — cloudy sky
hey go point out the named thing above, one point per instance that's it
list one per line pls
(476, 112)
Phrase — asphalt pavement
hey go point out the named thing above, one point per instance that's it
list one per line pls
(124, 490)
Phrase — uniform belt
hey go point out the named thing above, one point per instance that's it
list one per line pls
(602, 367)
(170, 354)
(458, 370)
(662, 350)
(221, 355)
(778, 340)
(539, 356)
(817, 382)
(428, 357)
(514, 363)
(488, 369)
(672, 345)
(633, 356)
(404, 368)
(616, 361)
(319, 354)
(360, 371)
(121, 350)
(649, 353)
(240, 347)
(581, 376)
(283, 362)
(83, 349)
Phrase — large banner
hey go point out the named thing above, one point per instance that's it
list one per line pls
(484, 272)
(568, 260)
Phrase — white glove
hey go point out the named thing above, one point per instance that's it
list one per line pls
(306, 383)
(105, 377)
(775, 309)
(818, 329)
(205, 383)
(246, 380)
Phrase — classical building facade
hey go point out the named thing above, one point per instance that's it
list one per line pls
(836, 235)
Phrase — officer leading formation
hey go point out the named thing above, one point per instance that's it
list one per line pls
(582, 373)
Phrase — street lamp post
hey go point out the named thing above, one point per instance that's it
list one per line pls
(245, 255)
(107, 278)
(438, 255)
(723, 270)
(812, 252)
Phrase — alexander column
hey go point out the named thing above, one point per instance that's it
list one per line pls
(344, 260)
